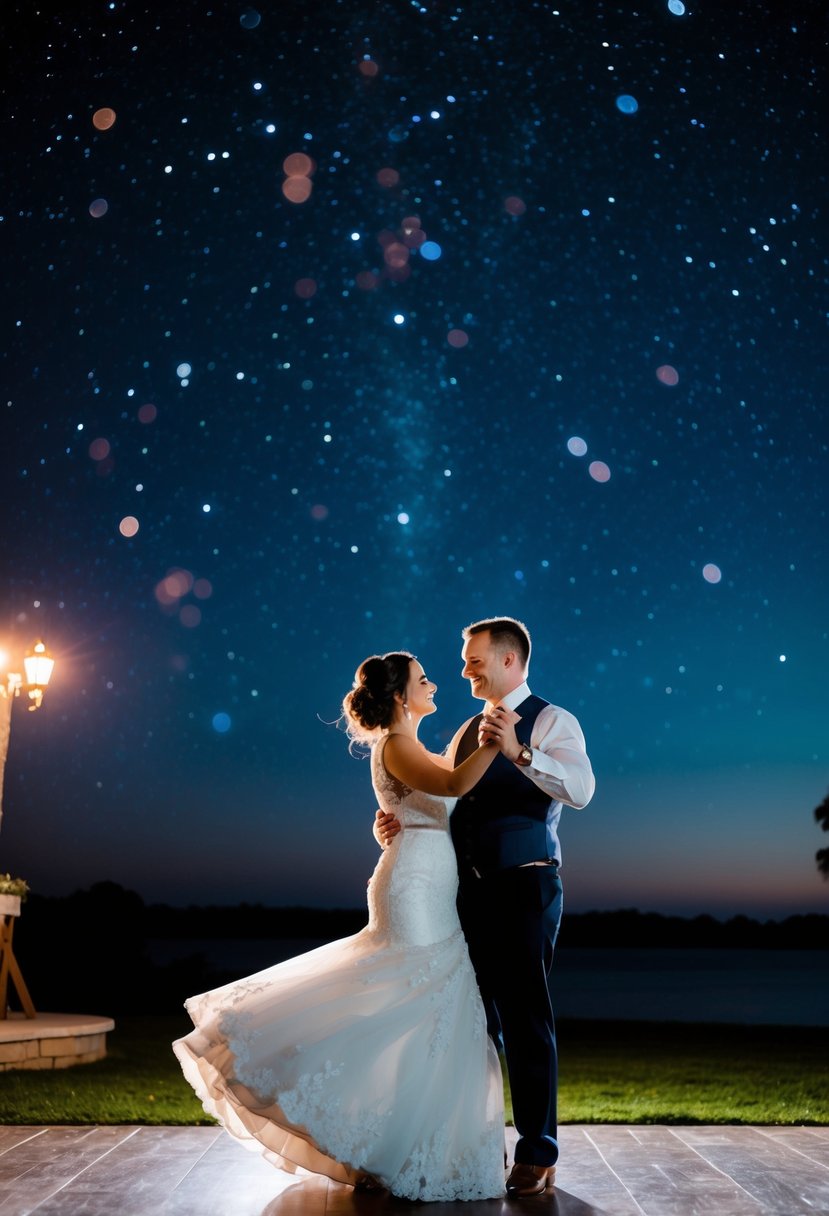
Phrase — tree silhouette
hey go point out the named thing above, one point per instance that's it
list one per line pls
(822, 817)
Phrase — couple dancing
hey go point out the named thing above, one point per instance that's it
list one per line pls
(373, 1059)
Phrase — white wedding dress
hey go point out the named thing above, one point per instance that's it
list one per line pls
(370, 1054)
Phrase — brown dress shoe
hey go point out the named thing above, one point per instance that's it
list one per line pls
(366, 1182)
(530, 1179)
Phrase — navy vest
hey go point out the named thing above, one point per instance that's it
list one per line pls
(503, 820)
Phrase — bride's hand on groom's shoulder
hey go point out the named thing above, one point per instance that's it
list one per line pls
(386, 827)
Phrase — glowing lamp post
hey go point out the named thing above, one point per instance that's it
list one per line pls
(38, 665)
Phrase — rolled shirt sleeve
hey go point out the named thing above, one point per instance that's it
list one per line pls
(560, 765)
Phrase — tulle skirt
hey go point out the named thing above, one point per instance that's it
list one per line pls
(365, 1056)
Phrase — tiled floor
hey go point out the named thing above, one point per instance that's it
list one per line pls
(603, 1171)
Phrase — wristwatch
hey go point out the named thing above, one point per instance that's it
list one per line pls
(525, 756)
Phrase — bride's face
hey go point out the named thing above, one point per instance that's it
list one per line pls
(420, 691)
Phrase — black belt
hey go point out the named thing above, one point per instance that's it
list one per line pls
(527, 865)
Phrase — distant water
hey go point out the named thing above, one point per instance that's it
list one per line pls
(770, 987)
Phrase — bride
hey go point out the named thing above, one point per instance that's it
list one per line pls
(368, 1059)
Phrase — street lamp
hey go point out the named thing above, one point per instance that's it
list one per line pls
(37, 665)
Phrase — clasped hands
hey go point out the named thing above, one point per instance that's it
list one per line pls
(498, 727)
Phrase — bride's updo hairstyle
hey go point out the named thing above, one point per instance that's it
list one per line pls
(369, 707)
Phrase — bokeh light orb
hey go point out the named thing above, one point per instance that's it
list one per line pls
(367, 280)
(711, 573)
(368, 67)
(388, 178)
(147, 412)
(99, 449)
(599, 471)
(297, 189)
(414, 238)
(395, 255)
(98, 207)
(576, 446)
(250, 19)
(128, 526)
(457, 338)
(298, 164)
(676, 7)
(305, 288)
(183, 370)
(177, 583)
(319, 511)
(103, 119)
(627, 104)
(163, 596)
(514, 205)
(430, 250)
(202, 589)
(221, 723)
(173, 587)
(190, 616)
(667, 375)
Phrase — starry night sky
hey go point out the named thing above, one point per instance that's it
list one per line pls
(547, 337)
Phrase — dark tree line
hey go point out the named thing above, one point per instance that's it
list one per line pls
(822, 817)
(93, 950)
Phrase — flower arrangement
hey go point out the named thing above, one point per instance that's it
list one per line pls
(13, 886)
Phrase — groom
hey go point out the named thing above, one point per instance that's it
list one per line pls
(505, 833)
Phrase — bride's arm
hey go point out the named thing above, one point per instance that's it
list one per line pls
(410, 763)
(441, 760)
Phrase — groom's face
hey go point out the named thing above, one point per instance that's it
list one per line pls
(483, 666)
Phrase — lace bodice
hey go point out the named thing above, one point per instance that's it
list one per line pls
(411, 896)
(412, 807)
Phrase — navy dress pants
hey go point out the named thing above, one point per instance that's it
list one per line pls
(511, 919)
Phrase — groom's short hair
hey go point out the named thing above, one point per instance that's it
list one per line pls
(507, 634)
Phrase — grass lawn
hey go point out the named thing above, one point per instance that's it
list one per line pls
(650, 1072)
(610, 1072)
